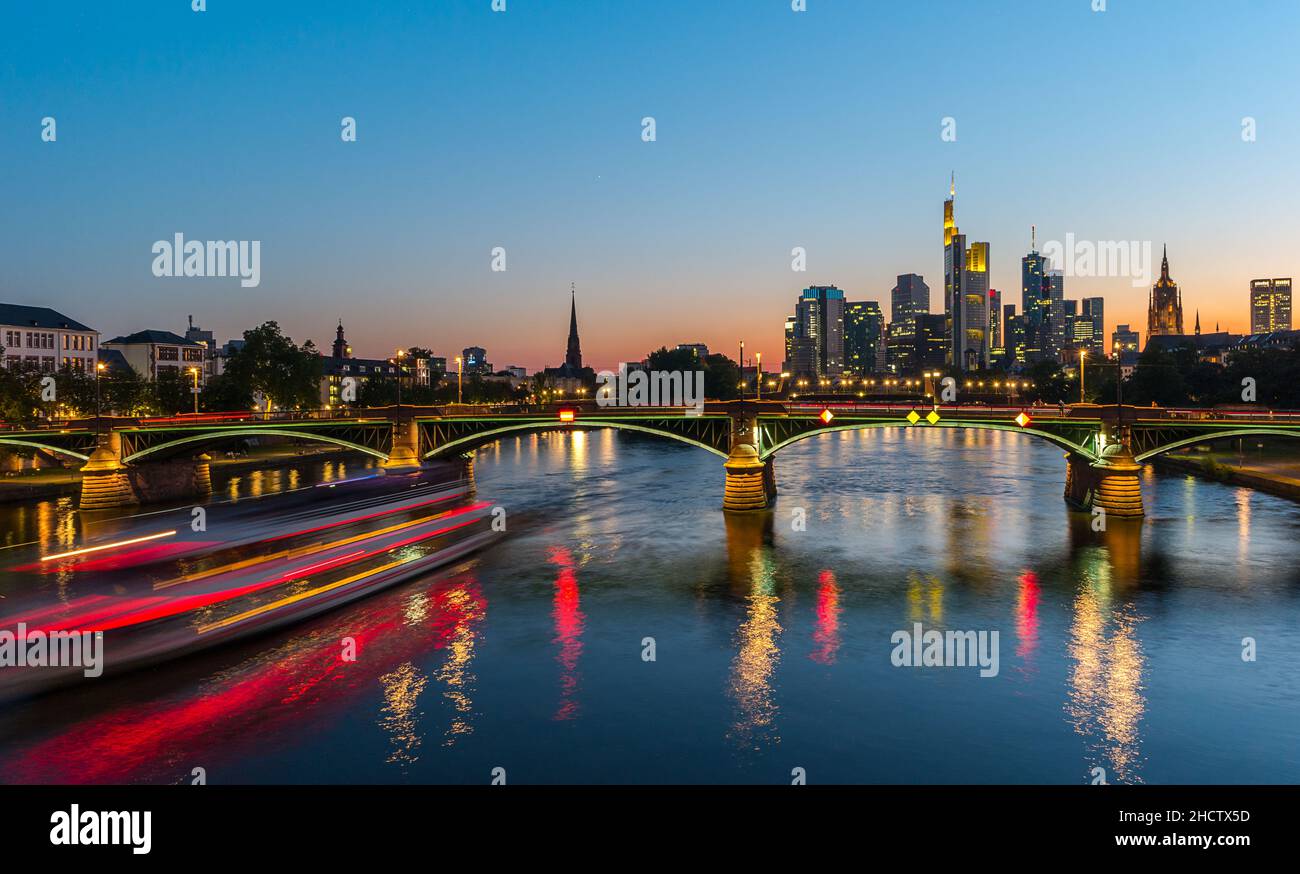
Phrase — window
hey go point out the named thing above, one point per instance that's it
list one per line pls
(168, 353)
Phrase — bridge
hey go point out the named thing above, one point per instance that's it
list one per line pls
(1104, 446)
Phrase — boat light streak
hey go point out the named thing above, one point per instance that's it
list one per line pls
(105, 546)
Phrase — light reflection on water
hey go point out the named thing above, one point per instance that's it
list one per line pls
(1120, 649)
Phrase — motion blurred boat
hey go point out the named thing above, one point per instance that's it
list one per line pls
(162, 585)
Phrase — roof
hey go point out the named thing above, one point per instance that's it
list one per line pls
(165, 337)
(113, 360)
(37, 317)
(332, 366)
(1216, 340)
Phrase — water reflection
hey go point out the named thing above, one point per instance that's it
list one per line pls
(757, 639)
(1105, 681)
(827, 631)
(569, 621)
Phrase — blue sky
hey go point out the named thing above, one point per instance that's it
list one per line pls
(522, 129)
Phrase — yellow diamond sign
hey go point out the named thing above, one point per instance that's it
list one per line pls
(913, 418)
(1022, 420)
(932, 417)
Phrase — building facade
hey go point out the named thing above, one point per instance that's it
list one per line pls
(864, 327)
(43, 339)
(154, 354)
(1270, 305)
(815, 334)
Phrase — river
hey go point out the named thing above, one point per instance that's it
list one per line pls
(626, 630)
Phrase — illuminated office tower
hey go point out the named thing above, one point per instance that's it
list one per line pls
(1094, 309)
(815, 336)
(965, 292)
(995, 320)
(1034, 303)
(863, 329)
(1270, 305)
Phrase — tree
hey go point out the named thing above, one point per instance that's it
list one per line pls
(272, 365)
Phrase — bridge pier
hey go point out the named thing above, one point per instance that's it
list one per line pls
(104, 480)
(467, 470)
(748, 478)
(1112, 484)
(405, 451)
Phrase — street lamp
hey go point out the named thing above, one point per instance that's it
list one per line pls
(398, 362)
(1083, 353)
(194, 372)
(460, 373)
(99, 368)
(758, 376)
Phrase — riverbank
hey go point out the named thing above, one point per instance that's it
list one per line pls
(1279, 478)
(57, 482)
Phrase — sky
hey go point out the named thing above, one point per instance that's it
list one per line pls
(522, 129)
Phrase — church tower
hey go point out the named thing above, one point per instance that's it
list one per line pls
(1165, 305)
(573, 355)
(341, 348)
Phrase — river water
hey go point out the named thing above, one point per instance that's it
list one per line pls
(626, 630)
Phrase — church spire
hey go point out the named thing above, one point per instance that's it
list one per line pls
(1198, 323)
(1164, 263)
(573, 355)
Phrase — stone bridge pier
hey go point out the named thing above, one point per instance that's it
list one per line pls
(750, 480)
(1113, 483)
(405, 451)
(107, 482)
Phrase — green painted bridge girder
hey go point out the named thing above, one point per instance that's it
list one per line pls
(252, 431)
(811, 426)
(481, 431)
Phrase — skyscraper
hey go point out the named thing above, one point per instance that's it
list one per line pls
(909, 299)
(1015, 337)
(1165, 304)
(1035, 302)
(815, 336)
(1094, 308)
(965, 293)
(1057, 326)
(863, 328)
(1270, 305)
(995, 320)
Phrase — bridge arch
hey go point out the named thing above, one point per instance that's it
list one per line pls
(1068, 445)
(31, 444)
(482, 438)
(214, 436)
(1218, 435)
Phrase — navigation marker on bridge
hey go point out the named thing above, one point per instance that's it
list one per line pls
(1023, 420)
(913, 417)
(826, 416)
(568, 415)
(932, 417)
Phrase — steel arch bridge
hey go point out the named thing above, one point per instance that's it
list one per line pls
(749, 434)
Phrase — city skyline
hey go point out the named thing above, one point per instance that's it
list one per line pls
(395, 232)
